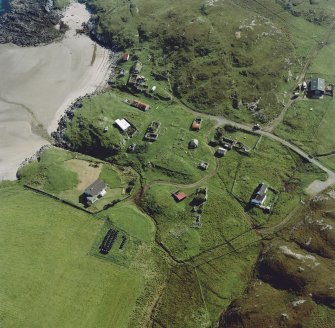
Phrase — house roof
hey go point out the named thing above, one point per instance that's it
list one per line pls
(194, 142)
(179, 196)
(125, 56)
(139, 105)
(261, 189)
(318, 84)
(95, 188)
(122, 124)
(195, 126)
(221, 150)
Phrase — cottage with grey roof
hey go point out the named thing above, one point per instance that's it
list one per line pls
(95, 191)
(259, 195)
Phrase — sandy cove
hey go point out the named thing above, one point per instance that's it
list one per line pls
(39, 83)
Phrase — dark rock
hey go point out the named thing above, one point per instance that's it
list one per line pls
(30, 23)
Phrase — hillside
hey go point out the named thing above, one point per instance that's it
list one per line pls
(216, 53)
(292, 285)
(234, 58)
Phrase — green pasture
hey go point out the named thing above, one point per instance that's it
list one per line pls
(222, 219)
(50, 173)
(168, 158)
(194, 45)
(48, 277)
(274, 164)
(309, 125)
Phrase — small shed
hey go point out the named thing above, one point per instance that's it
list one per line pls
(122, 124)
(203, 166)
(179, 196)
(194, 143)
(125, 57)
(196, 124)
(317, 87)
(139, 105)
(221, 152)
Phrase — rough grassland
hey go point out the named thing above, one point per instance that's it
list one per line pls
(127, 217)
(47, 277)
(49, 172)
(275, 165)
(312, 130)
(195, 43)
(168, 158)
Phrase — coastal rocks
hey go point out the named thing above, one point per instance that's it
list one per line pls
(30, 23)
(33, 158)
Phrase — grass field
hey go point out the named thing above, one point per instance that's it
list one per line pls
(134, 222)
(206, 61)
(275, 165)
(47, 277)
(138, 228)
(168, 158)
(312, 130)
(67, 175)
(225, 278)
(218, 57)
(222, 219)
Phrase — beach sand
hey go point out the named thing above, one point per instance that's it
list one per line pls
(37, 84)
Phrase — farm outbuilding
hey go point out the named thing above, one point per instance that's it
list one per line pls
(139, 105)
(125, 57)
(317, 88)
(196, 124)
(122, 124)
(194, 143)
(221, 152)
(179, 196)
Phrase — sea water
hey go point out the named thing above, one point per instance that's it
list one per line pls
(4, 6)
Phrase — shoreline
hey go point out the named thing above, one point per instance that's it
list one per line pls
(97, 74)
(41, 83)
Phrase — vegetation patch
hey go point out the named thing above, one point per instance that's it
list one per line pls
(214, 56)
(168, 158)
(44, 246)
(272, 163)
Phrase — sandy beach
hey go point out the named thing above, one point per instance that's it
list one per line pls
(39, 83)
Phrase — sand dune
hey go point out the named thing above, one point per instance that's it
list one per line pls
(37, 84)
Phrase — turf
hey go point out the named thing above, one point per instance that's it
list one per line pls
(49, 172)
(195, 44)
(48, 278)
(275, 165)
(128, 218)
(311, 129)
(168, 158)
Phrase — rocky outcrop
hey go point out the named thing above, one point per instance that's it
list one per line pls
(30, 23)
(294, 275)
(265, 306)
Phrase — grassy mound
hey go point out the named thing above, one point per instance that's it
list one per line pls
(49, 172)
(220, 56)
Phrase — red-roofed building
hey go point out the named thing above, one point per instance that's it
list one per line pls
(196, 124)
(125, 57)
(139, 105)
(179, 196)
